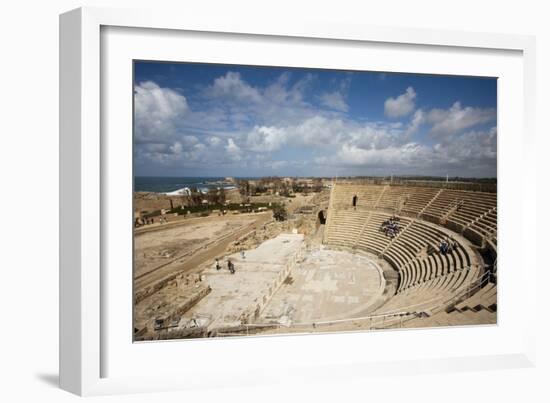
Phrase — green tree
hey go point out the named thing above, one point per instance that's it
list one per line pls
(212, 196)
(279, 213)
(317, 185)
(244, 187)
(196, 196)
(221, 196)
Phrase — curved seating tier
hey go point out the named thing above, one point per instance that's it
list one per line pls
(430, 293)
(473, 214)
(407, 253)
(427, 278)
(350, 224)
(480, 308)
(485, 298)
(366, 195)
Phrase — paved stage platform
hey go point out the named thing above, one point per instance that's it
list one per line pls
(241, 297)
(327, 285)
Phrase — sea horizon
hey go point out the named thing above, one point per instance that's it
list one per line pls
(170, 184)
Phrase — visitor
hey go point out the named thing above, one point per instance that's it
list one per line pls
(443, 247)
(218, 267)
(230, 266)
(390, 227)
(430, 250)
(448, 244)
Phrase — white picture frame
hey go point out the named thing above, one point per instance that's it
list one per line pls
(84, 344)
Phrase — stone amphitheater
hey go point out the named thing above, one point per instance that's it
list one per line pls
(431, 289)
(346, 274)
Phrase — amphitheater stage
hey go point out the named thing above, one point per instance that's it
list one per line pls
(327, 285)
(239, 298)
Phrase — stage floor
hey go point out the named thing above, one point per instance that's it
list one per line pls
(327, 285)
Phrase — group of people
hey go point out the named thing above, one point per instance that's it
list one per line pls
(139, 222)
(447, 246)
(390, 227)
(230, 265)
(143, 221)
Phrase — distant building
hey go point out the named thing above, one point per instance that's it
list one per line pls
(180, 192)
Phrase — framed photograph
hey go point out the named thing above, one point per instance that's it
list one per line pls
(325, 197)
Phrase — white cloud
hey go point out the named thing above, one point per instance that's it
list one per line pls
(176, 148)
(234, 104)
(472, 153)
(237, 125)
(379, 135)
(394, 156)
(400, 106)
(231, 85)
(470, 147)
(455, 119)
(416, 121)
(214, 141)
(334, 100)
(318, 131)
(157, 111)
(233, 150)
(323, 133)
(188, 141)
(266, 139)
(152, 148)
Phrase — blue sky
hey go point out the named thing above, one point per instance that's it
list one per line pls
(227, 120)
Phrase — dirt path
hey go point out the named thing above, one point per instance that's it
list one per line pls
(207, 253)
(175, 243)
(298, 201)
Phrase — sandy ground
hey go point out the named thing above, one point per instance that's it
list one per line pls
(156, 248)
(149, 201)
(186, 245)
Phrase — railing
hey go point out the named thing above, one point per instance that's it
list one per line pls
(330, 212)
(460, 294)
(365, 223)
(387, 319)
(489, 234)
(379, 321)
(380, 196)
(397, 181)
(429, 203)
(471, 289)
(450, 209)
(400, 203)
(395, 238)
